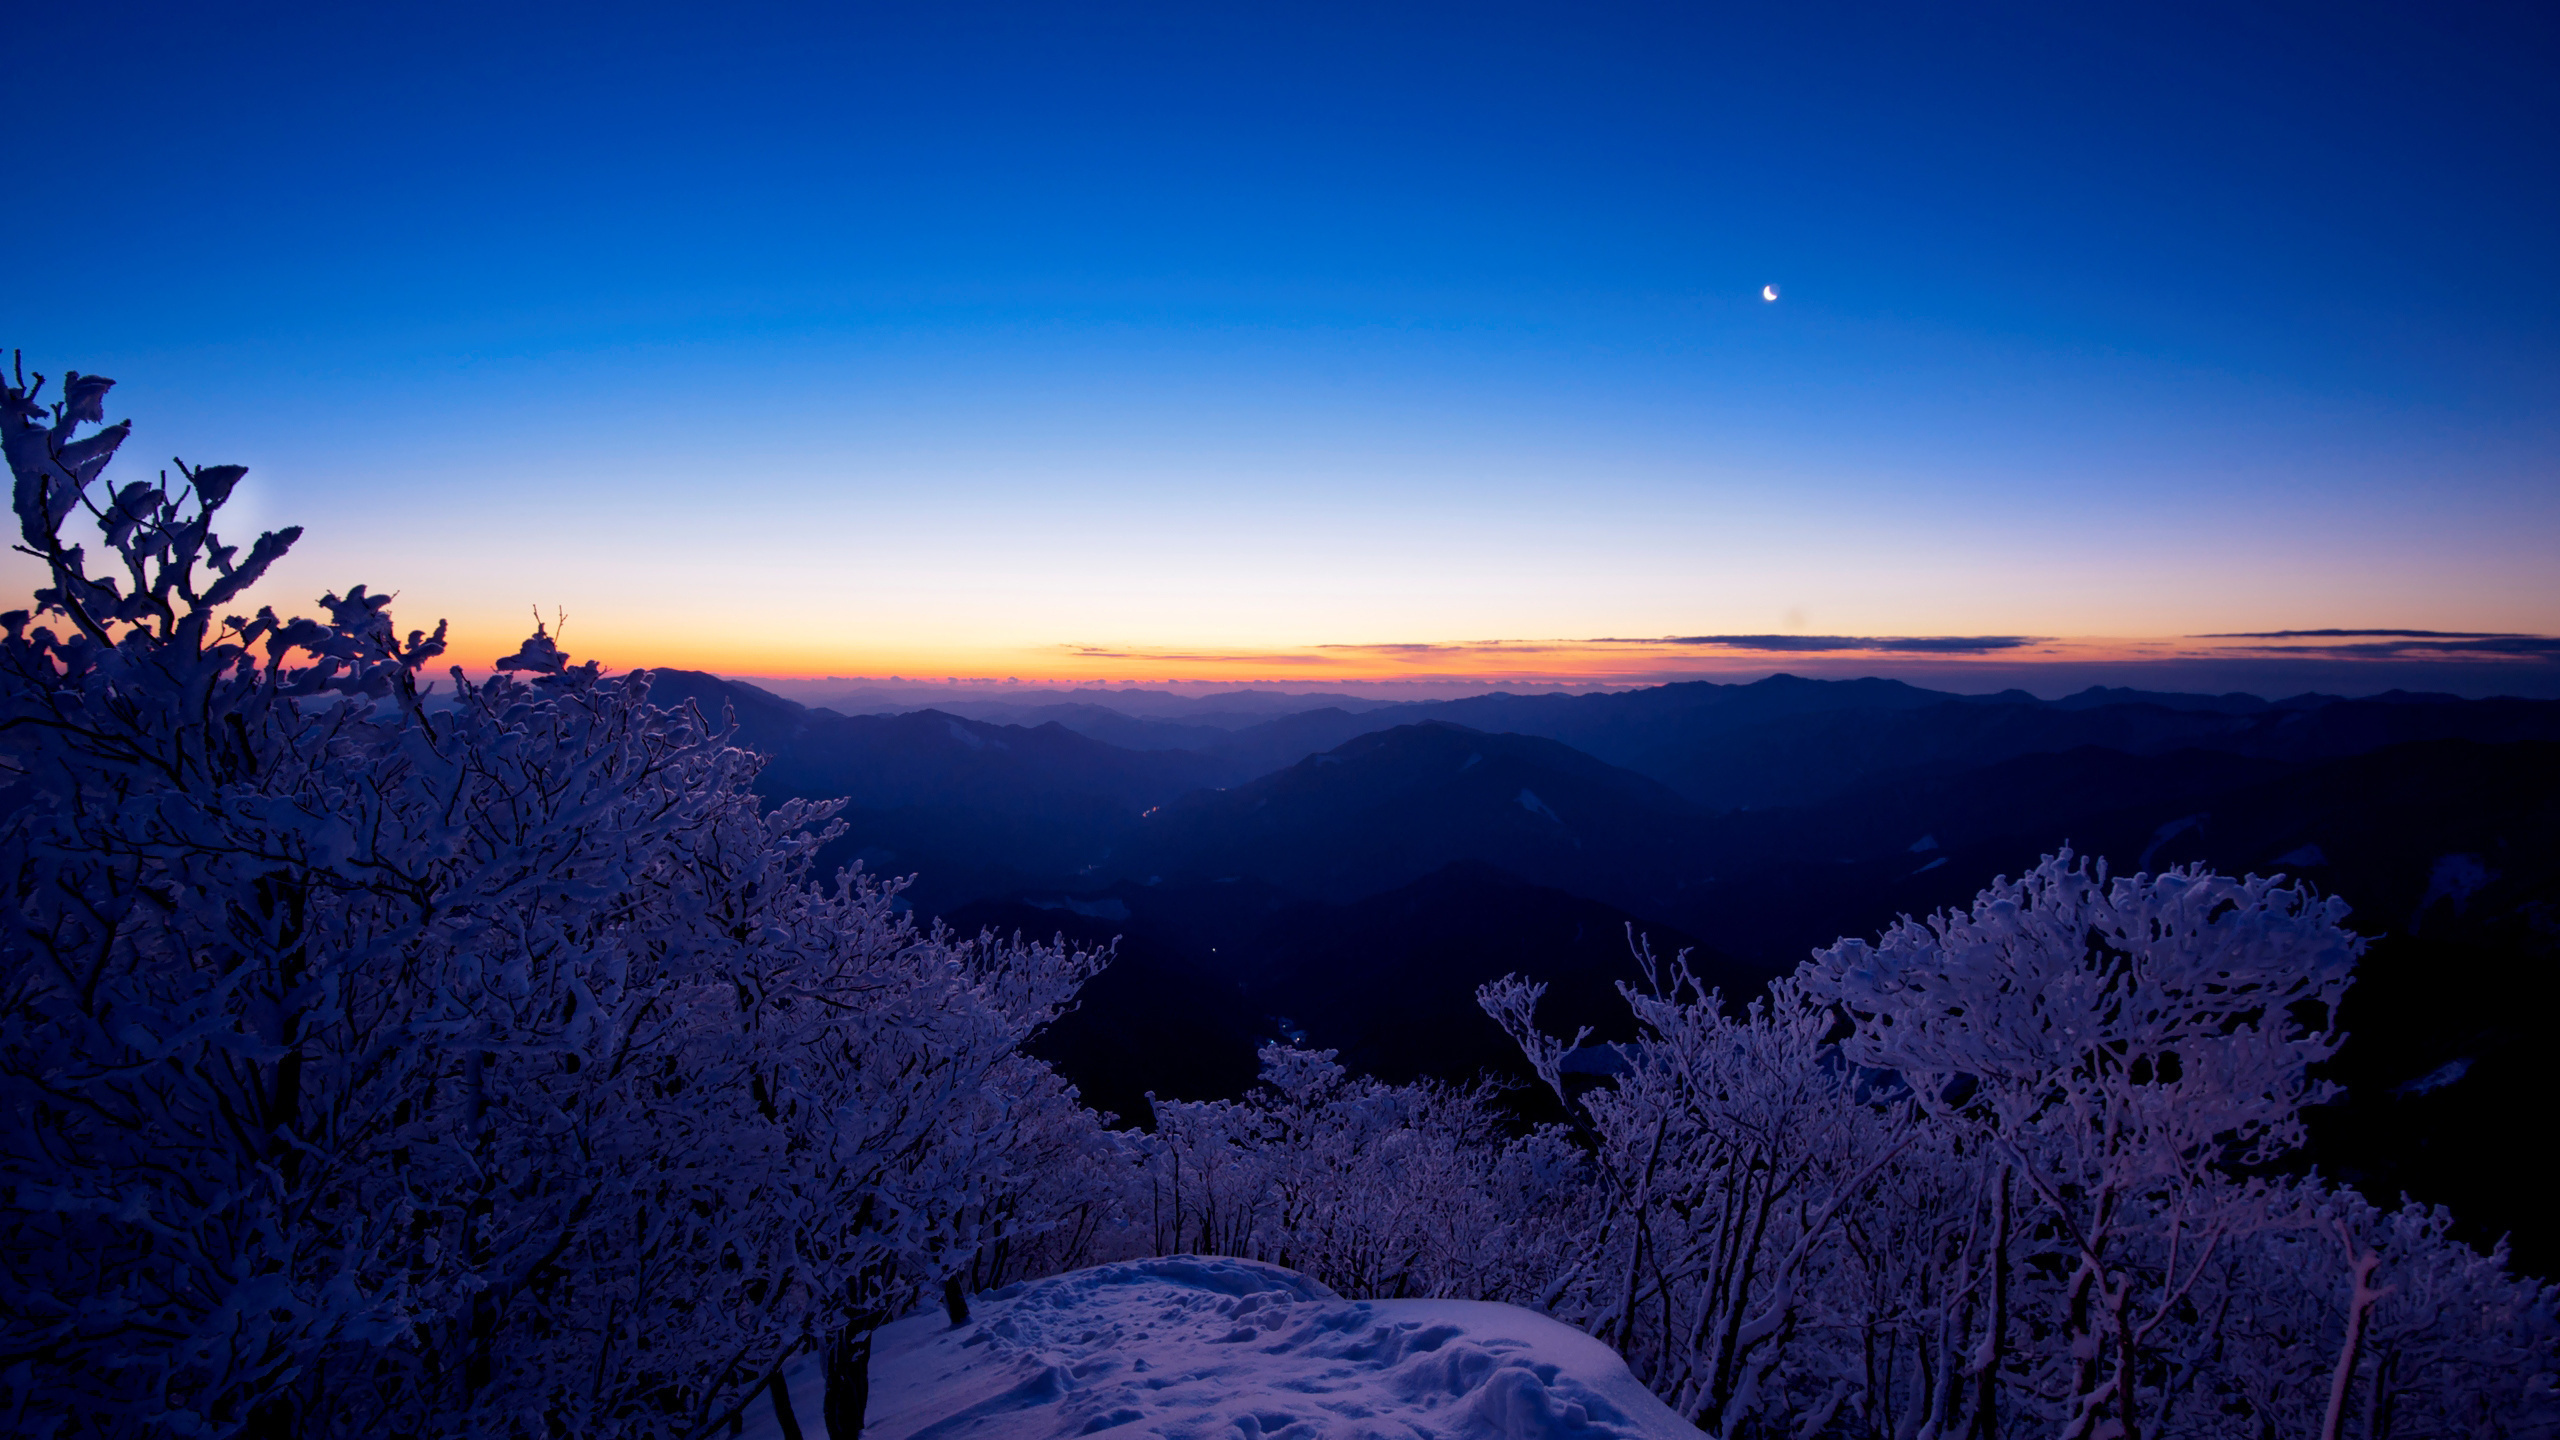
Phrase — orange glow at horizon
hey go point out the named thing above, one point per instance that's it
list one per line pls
(1576, 662)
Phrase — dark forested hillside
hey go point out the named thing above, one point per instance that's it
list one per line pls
(1348, 878)
(1387, 808)
(1206, 971)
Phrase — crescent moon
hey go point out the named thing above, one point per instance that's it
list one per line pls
(1768, 292)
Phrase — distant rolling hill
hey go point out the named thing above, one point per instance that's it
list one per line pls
(973, 809)
(1385, 809)
(1207, 971)
(1032, 705)
(1352, 876)
(1791, 741)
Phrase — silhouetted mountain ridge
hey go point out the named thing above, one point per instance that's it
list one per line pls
(1205, 972)
(1384, 809)
(1360, 870)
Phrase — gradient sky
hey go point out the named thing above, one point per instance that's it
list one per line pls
(1082, 340)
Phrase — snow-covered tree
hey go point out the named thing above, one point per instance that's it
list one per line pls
(2127, 1049)
(913, 1121)
(482, 1067)
(1379, 1191)
(196, 864)
(2356, 1321)
(1731, 1150)
(2010, 1170)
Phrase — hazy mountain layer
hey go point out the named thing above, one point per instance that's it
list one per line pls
(1347, 879)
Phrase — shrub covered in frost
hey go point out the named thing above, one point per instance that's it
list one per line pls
(491, 1067)
(1733, 1153)
(1379, 1191)
(2007, 1171)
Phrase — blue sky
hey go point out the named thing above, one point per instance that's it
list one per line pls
(955, 338)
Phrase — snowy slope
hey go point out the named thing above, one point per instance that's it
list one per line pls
(1209, 1347)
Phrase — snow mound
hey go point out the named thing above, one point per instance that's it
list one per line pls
(1196, 1347)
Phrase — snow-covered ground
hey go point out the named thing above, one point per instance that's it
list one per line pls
(1207, 1348)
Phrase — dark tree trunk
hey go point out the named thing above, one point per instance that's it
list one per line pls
(783, 1414)
(478, 1366)
(271, 1420)
(2377, 1401)
(2124, 1363)
(955, 1301)
(1986, 1376)
(848, 1367)
(2080, 1326)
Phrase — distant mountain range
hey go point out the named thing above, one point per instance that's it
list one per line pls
(1229, 710)
(1347, 876)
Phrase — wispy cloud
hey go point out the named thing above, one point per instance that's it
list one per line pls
(2358, 658)
(1194, 657)
(1607, 654)
(2339, 634)
(1825, 644)
(1406, 648)
(2393, 644)
(1421, 649)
